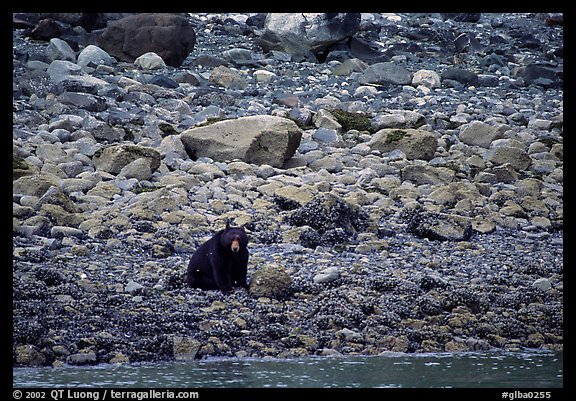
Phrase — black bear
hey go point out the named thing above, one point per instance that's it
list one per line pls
(221, 262)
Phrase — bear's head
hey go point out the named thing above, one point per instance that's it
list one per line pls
(234, 239)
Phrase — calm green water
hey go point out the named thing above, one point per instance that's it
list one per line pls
(528, 369)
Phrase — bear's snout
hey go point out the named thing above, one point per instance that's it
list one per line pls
(235, 246)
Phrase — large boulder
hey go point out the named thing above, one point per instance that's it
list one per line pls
(258, 139)
(303, 34)
(170, 36)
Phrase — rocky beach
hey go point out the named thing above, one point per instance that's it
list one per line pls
(400, 177)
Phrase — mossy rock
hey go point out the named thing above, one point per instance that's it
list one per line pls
(271, 282)
(20, 168)
(167, 129)
(396, 135)
(349, 121)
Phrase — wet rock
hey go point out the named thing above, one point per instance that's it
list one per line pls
(186, 348)
(82, 358)
(28, 355)
(438, 226)
(337, 213)
(332, 217)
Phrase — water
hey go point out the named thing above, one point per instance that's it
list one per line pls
(528, 369)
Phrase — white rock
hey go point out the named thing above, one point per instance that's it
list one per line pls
(150, 61)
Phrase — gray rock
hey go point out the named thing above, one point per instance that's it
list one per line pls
(385, 73)
(325, 119)
(350, 335)
(102, 131)
(426, 174)
(59, 49)
(258, 139)
(398, 119)
(327, 275)
(35, 185)
(133, 287)
(349, 66)
(477, 133)
(62, 232)
(326, 135)
(427, 78)
(542, 283)
(92, 56)
(139, 169)
(460, 75)
(83, 101)
(28, 355)
(508, 151)
(58, 70)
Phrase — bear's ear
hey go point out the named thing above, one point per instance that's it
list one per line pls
(228, 224)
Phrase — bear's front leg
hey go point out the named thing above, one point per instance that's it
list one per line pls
(222, 273)
(240, 270)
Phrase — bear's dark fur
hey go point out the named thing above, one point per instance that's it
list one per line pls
(221, 262)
